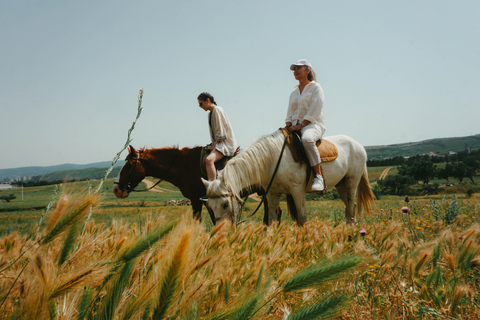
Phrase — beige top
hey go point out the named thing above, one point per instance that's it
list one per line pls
(222, 132)
(306, 106)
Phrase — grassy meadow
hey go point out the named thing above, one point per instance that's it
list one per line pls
(98, 257)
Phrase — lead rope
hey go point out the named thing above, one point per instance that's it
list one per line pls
(271, 180)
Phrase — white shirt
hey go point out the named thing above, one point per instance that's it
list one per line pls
(221, 131)
(306, 106)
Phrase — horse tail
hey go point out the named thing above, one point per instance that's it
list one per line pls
(365, 196)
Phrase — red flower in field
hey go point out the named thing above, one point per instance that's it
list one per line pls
(352, 219)
(407, 199)
(405, 209)
(363, 232)
(350, 238)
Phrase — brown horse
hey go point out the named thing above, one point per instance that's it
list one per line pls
(181, 167)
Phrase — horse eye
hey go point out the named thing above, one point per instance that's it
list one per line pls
(225, 205)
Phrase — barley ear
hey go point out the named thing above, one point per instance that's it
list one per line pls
(247, 310)
(71, 218)
(193, 314)
(140, 301)
(147, 242)
(436, 253)
(68, 243)
(114, 295)
(312, 276)
(325, 308)
(171, 279)
(83, 307)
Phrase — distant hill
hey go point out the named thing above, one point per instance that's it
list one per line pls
(97, 170)
(38, 171)
(440, 146)
(80, 174)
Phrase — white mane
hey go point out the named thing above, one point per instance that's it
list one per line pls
(250, 166)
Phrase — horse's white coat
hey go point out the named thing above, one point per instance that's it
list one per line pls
(255, 166)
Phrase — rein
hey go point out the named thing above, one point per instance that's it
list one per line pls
(271, 181)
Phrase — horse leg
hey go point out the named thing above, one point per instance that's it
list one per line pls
(347, 192)
(265, 212)
(197, 210)
(300, 204)
(273, 202)
(292, 209)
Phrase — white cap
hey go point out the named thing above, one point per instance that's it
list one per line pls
(301, 62)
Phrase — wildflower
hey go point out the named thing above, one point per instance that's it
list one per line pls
(350, 238)
(353, 220)
(461, 237)
(405, 209)
(419, 228)
(363, 232)
(407, 199)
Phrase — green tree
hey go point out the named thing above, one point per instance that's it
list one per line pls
(8, 198)
(420, 170)
(396, 184)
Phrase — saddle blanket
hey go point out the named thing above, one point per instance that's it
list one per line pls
(328, 151)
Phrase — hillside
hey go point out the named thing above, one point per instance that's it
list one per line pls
(96, 170)
(38, 171)
(440, 146)
(80, 174)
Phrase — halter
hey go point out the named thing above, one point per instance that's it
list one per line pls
(128, 186)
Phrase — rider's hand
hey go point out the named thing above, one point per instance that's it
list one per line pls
(294, 128)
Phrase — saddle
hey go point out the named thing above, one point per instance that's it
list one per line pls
(328, 151)
(219, 165)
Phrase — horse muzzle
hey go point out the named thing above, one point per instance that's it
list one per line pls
(119, 193)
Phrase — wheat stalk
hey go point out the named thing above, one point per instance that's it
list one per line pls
(71, 218)
(326, 308)
(313, 276)
(171, 278)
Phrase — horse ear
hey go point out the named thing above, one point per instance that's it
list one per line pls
(132, 151)
(206, 183)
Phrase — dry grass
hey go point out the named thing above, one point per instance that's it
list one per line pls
(413, 266)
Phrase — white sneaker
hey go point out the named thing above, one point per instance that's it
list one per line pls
(317, 184)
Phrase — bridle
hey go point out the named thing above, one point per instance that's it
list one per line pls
(230, 195)
(128, 186)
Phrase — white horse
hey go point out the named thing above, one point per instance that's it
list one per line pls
(256, 165)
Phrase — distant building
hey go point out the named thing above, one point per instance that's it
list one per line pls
(5, 186)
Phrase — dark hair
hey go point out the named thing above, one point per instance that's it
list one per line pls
(205, 95)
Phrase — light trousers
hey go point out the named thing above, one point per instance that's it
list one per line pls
(310, 135)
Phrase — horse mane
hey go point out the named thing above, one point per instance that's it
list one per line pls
(148, 153)
(248, 169)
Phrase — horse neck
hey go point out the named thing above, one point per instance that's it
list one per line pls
(159, 163)
(252, 167)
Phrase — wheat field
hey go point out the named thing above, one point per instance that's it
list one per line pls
(389, 264)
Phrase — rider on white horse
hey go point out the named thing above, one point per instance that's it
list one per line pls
(305, 114)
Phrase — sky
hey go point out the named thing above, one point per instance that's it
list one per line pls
(70, 71)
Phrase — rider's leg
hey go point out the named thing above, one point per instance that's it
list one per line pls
(210, 160)
(310, 135)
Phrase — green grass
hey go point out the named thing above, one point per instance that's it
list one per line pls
(23, 215)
